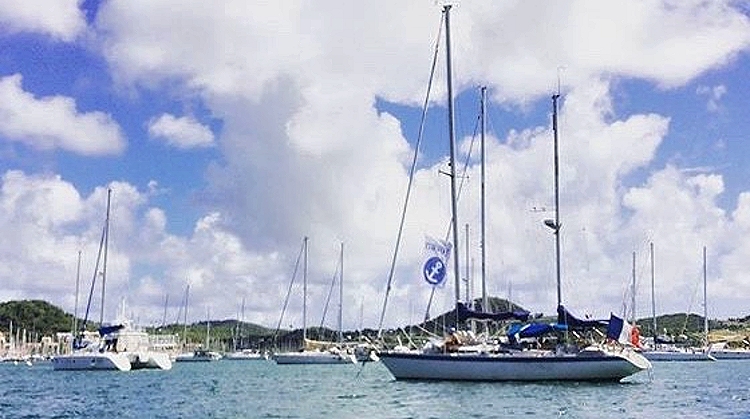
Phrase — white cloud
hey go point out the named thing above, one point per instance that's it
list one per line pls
(183, 133)
(714, 95)
(305, 152)
(53, 122)
(385, 47)
(61, 19)
(50, 222)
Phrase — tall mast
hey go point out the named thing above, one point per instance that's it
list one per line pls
(632, 295)
(653, 292)
(164, 316)
(304, 298)
(468, 267)
(452, 136)
(104, 264)
(75, 308)
(208, 327)
(187, 295)
(556, 226)
(705, 294)
(341, 295)
(241, 326)
(483, 243)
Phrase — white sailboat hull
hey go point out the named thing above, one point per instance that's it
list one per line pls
(312, 357)
(92, 361)
(532, 366)
(245, 356)
(198, 357)
(731, 354)
(678, 355)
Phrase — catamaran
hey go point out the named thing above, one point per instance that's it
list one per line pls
(117, 347)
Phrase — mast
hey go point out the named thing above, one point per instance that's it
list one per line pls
(555, 225)
(653, 292)
(164, 316)
(452, 136)
(104, 263)
(304, 298)
(632, 295)
(75, 308)
(467, 270)
(241, 325)
(483, 244)
(341, 295)
(187, 294)
(208, 327)
(705, 294)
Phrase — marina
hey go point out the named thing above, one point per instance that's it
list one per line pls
(468, 180)
(227, 389)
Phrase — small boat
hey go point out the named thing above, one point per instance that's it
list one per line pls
(678, 353)
(331, 356)
(245, 355)
(661, 348)
(316, 352)
(198, 355)
(722, 350)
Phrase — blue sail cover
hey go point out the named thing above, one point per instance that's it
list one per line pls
(105, 330)
(565, 318)
(531, 330)
(464, 313)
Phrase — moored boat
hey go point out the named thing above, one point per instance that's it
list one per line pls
(603, 361)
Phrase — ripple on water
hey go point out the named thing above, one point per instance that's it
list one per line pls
(266, 390)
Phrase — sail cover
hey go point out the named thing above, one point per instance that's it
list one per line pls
(105, 330)
(574, 323)
(464, 313)
(518, 331)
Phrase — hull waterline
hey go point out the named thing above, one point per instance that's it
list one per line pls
(514, 367)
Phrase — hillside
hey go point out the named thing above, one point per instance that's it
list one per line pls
(40, 318)
(36, 316)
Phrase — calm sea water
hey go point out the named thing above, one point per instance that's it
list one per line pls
(262, 389)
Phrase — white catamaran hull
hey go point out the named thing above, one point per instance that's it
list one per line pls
(149, 360)
(91, 361)
(311, 357)
(584, 366)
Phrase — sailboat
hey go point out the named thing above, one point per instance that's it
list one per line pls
(722, 350)
(199, 354)
(118, 347)
(242, 354)
(669, 351)
(597, 362)
(315, 352)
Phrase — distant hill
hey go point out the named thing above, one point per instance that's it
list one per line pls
(36, 316)
(40, 318)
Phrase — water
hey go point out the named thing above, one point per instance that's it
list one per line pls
(262, 389)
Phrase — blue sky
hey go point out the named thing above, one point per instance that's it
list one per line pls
(229, 132)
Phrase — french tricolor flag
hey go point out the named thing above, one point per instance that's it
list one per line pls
(619, 330)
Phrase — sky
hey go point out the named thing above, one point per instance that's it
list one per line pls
(229, 131)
